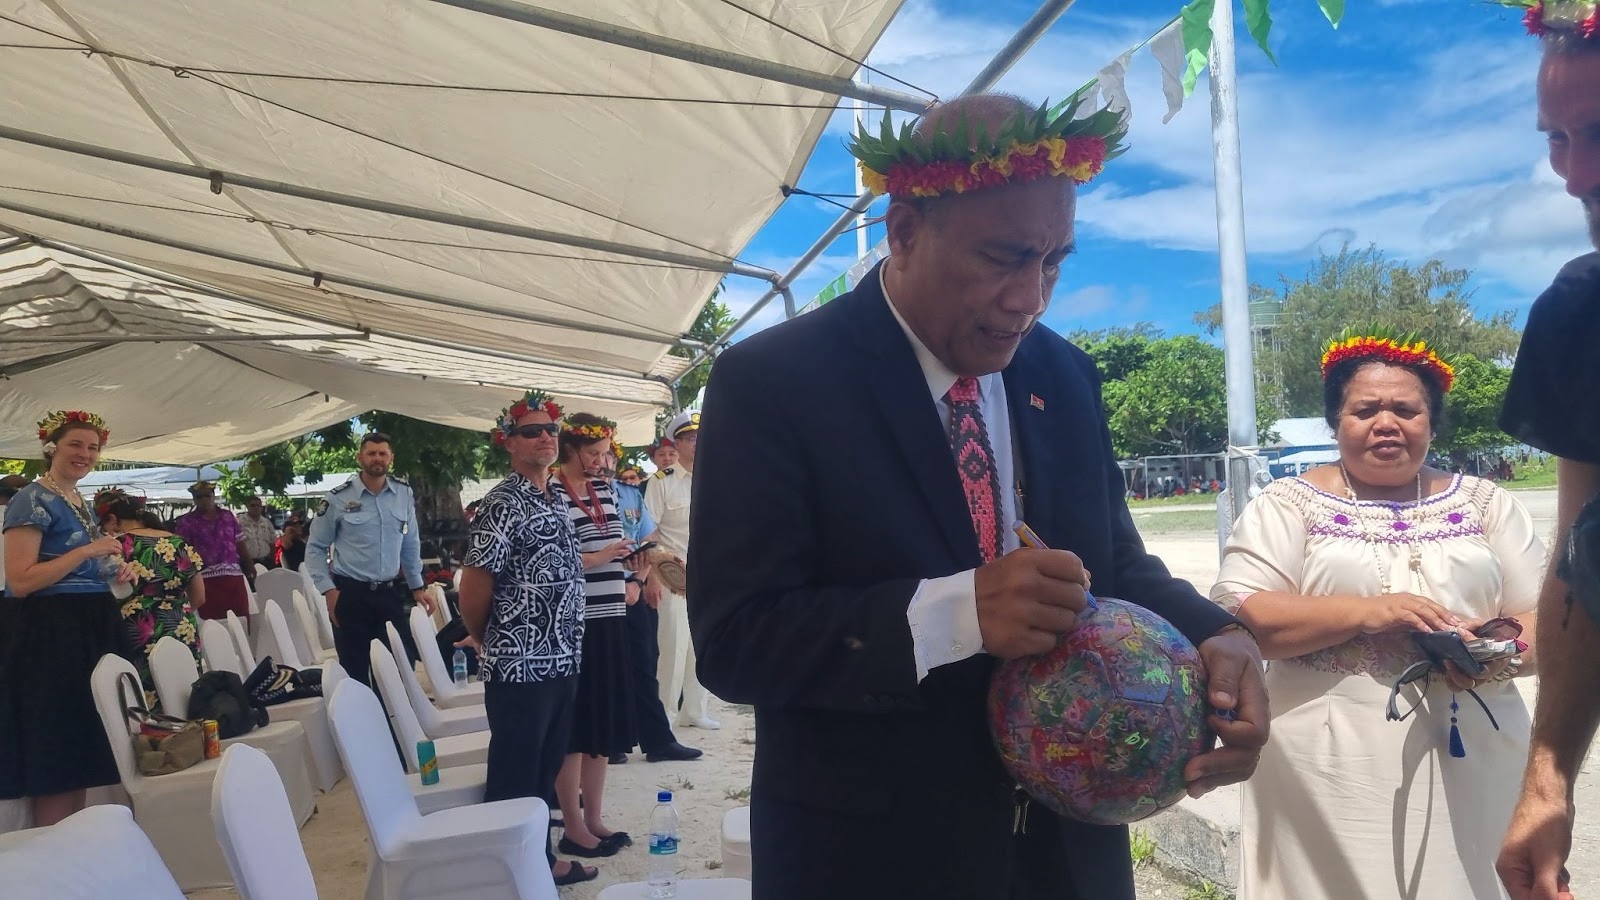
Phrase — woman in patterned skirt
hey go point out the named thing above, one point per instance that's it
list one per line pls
(602, 722)
(166, 591)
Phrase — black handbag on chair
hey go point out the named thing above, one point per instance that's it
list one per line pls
(271, 684)
(222, 697)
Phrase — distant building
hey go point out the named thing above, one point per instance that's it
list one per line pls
(1302, 443)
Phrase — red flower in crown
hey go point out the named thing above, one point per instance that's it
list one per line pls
(1533, 19)
(510, 415)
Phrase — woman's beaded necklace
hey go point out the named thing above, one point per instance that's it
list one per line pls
(1415, 562)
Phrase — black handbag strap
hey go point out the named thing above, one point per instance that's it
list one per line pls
(137, 711)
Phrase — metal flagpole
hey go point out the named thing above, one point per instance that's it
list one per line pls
(1239, 368)
(861, 224)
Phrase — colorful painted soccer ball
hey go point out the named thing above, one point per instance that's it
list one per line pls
(1099, 729)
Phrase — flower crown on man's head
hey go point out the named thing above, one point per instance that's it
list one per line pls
(1402, 350)
(52, 422)
(533, 399)
(1047, 142)
(1542, 17)
(104, 498)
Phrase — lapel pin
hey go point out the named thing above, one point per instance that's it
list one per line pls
(1035, 401)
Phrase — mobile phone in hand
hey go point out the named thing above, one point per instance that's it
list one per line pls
(642, 548)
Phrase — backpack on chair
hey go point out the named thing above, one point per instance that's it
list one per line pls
(221, 696)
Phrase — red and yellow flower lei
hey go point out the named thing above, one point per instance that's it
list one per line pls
(530, 400)
(1403, 352)
(1580, 17)
(1045, 143)
(60, 417)
(595, 432)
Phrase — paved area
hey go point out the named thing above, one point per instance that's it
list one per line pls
(1202, 836)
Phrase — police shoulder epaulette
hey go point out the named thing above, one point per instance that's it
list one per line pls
(661, 473)
(343, 486)
(401, 480)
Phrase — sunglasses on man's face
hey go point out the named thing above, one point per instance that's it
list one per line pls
(535, 429)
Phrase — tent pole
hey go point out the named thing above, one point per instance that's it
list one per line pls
(218, 178)
(660, 45)
(176, 338)
(1019, 44)
(1238, 364)
(317, 277)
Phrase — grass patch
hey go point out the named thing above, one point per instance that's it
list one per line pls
(742, 795)
(1533, 475)
(1205, 890)
(1143, 847)
(677, 784)
(1186, 520)
(713, 864)
(1185, 500)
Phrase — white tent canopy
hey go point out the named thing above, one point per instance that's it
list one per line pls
(496, 203)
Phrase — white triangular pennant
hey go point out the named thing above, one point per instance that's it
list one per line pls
(1167, 48)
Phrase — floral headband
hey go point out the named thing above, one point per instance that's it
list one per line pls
(605, 429)
(1404, 350)
(1542, 17)
(53, 422)
(1048, 142)
(533, 399)
(104, 499)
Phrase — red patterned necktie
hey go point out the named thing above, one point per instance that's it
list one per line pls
(969, 440)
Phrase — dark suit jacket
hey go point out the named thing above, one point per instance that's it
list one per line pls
(825, 491)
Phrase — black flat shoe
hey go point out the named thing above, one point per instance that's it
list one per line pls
(576, 874)
(618, 759)
(674, 752)
(618, 839)
(573, 848)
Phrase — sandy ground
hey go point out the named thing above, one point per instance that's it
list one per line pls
(336, 841)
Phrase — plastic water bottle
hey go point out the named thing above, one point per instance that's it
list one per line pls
(459, 665)
(663, 848)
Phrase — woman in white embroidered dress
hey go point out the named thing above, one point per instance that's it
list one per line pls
(1333, 572)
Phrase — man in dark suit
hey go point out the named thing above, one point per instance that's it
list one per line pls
(854, 574)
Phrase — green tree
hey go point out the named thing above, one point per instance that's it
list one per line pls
(715, 318)
(1173, 404)
(1357, 288)
(1472, 409)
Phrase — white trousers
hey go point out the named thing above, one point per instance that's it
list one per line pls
(675, 670)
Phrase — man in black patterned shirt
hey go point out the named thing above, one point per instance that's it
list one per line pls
(522, 602)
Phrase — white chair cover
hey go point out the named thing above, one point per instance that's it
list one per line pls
(436, 723)
(288, 741)
(307, 627)
(95, 853)
(446, 695)
(452, 750)
(256, 830)
(736, 842)
(320, 607)
(490, 850)
(280, 585)
(457, 786)
(689, 889)
(260, 570)
(276, 639)
(311, 712)
(241, 642)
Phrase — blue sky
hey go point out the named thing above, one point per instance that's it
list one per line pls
(1411, 127)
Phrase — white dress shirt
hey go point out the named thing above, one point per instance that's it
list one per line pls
(943, 613)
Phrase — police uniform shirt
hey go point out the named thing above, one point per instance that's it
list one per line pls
(668, 503)
(637, 523)
(373, 537)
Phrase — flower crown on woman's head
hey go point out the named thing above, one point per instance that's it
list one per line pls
(1542, 17)
(1401, 350)
(605, 429)
(104, 498)
(533, 399)
(52, 422)
(1047, 142)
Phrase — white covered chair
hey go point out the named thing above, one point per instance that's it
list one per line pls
(280, 585)
(279, 636)
(172, 809)
(257, 833)
(174, 672)
(309, 628)
(241, 643)
(688, 889)
(446, 693)
(310, 712)
(451, 750)
(457, 786)
(736, 842)
(436, 723)
(490, 850)
(260, 570)
(320, 607)
(94, 853)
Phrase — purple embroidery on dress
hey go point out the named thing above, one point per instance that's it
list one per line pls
(1455, 518)
(1399, 526)
(1341, 519)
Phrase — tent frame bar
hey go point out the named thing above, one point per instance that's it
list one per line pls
(218, 179)
(198, 287)
(1030, 32)
(179, 338)
(317, 278)
(660, 45)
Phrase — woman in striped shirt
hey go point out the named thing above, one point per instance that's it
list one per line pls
(602, 721)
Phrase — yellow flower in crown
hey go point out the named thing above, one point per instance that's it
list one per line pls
(1542, 17)
(605, 429)
(60, 417)
(1048, 142)
(1401, 350)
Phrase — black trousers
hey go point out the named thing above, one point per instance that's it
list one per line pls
(530, 725)
(362, 612)
(654, 728)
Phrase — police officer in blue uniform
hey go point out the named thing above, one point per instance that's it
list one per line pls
(370, 525)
